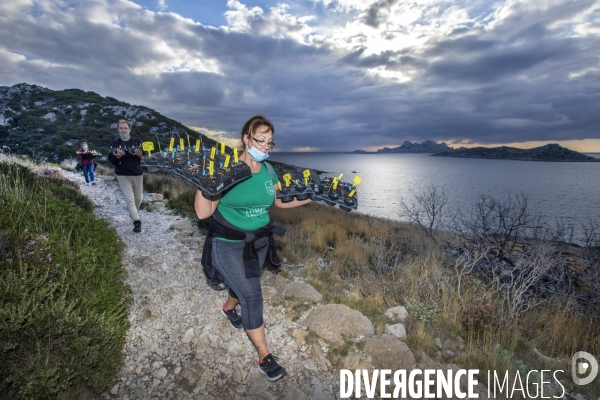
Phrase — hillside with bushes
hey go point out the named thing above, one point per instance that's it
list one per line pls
(63, 304)
(49, 124)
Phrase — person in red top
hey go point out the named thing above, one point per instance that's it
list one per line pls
(87, 162)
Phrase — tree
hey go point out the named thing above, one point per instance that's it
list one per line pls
(428, 211)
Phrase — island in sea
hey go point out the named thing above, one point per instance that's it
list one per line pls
(549, 152)
(426, 147)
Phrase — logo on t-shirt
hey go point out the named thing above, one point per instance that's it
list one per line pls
(269, 187)
(255, 211)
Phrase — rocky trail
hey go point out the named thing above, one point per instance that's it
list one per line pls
(180, 346)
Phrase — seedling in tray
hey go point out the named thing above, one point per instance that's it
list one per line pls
(216, 177)
(333, 192)
(210, 170)
(126, 149)
(301, 189)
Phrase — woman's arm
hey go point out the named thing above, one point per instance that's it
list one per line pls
(205, 206)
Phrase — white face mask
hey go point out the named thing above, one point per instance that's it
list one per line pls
(257, 154)
(85, 147)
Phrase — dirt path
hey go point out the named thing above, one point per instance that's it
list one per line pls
(178, 344)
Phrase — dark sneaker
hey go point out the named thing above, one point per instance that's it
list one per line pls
(271, 369)
(234, 318)
(137, 226)
(94, 183)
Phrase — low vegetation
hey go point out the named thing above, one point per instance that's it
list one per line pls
(63, 304)
(507, 286)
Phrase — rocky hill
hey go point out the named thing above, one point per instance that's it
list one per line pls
(40, 122)
(549, 152)
(426, 147)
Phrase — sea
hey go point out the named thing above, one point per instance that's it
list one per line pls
(567, 191)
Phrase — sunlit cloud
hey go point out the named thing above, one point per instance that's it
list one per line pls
(333, 75)
(219, 136)
(239, 17)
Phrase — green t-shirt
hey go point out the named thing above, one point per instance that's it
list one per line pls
(246, 205)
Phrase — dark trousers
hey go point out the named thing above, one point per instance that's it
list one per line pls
(228, 258)
(88, 172)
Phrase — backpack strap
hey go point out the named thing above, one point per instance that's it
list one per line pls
(270, 169)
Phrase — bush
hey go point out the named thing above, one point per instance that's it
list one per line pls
(183, 204)
(63, 305)
(72, 195)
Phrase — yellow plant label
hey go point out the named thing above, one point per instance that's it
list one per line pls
(235, 156)
(287, 178)
(148, 146)
(171, 144)
(306, 174)
(181, 146)
(212, 153)
(211, 168)
(197, 145)
(226, 164)
(335, 182)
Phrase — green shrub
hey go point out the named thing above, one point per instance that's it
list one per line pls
(420, 311)
(183, 204)
(63, 304)
(72, 195)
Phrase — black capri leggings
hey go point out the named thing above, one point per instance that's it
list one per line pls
(228, 258)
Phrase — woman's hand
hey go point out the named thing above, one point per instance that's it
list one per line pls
(205, 206)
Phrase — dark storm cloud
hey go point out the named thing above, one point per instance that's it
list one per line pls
(497, 62)
(68, 38)
(524, 78)
(198, 89)
(377, 13)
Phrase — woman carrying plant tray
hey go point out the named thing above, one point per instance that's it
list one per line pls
(87, 163)
(240, 237)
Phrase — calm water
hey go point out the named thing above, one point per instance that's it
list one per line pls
(566, 190)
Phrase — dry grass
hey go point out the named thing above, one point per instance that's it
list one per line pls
(104, 169)
(371, 264)
(25, 161)
(166, 184)
(46, 170)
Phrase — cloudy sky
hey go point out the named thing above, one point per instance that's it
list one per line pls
(333, 75)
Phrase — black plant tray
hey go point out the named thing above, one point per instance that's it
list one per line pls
(296, 188)
(192, 168)
(157, 162)
(336, 198)
(126, 149)
(88, 155)
(222, 179)
(299, 192)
